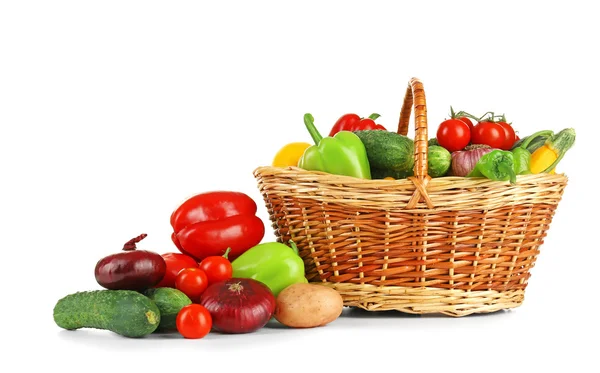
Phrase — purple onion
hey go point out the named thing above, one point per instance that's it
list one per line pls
(464, 161)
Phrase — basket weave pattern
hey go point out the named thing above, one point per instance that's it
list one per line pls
(449, 245)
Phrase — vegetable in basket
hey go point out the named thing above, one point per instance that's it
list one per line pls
(289, 154)
(352, 122)
(522, 160)
(388, 150)
(546, 156)
(342, 154)
(438, 161)
(495, 165)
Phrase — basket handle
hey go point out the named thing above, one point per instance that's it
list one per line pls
(415, 96)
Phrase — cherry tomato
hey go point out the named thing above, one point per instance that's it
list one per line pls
(217, 268)
(175, 263)
(468, 122)
(489, 133)
(192, 282)
(509, 134)
(453, 134)
(193, 321)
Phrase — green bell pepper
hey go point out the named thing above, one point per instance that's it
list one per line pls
(496, 165)
(342, 154)
(521, 158)
(272, 263)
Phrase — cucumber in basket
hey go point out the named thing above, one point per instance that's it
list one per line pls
(388, 150)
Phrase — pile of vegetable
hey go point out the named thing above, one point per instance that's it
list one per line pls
(223, 279)
(465, 145)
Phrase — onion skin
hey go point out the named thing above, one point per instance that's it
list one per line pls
(239, 305)
(464, 161)
(130, 269)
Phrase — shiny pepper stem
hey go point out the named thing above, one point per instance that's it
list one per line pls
(130, 245)
(309, 122)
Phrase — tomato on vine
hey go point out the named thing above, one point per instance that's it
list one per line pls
(509, 134)
(489, 133)
(453, 134)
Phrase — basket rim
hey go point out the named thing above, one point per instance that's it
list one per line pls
(445, 193)
(327, 178)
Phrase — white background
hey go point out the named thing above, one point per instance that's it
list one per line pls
(113, 112)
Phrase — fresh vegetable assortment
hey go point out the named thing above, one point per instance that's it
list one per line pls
(224, 279)
(465, 145)
(201, 289)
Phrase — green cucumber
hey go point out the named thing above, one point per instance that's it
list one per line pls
(438, 161)
(169, 301)
(125, 312)
(377, 173)
(388, 150)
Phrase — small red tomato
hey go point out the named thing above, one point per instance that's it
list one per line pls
(193, 321)
(468, 122)
(509, 134)
(192, 282)
(175, 263)
(217, 268)
(489, 133)
(453, 134)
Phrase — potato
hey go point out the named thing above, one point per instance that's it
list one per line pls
(308, 305)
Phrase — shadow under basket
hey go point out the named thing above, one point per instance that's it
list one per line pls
(449, 245)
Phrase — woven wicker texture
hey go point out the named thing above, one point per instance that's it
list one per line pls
(448, 245)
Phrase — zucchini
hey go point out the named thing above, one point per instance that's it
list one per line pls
(125, 312)
(169, 302)
(388, 150)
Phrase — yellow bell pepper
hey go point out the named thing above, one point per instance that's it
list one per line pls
(289, 155)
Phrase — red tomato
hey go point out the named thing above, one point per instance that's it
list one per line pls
(193, 321)
(489, 133)
(192, 282)
(217, 268)
(453, 134)
(509, 134)
(468, 122)
(175, 263)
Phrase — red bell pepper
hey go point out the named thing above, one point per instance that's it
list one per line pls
(352, 122)
(208, 224)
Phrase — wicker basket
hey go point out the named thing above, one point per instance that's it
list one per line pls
(449, 245)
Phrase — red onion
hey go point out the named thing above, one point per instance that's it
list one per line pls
(130, 269)
(464, 161)
(238, 305)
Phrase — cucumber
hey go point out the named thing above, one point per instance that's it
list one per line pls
(376, 173)
(388, 150)
(125, 312)
(438, 161)
(169, 301)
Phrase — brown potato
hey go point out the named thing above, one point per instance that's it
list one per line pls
(308, 305)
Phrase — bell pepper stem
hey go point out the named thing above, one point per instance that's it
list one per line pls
(309, 122)
(294, 247)
(226, 255)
